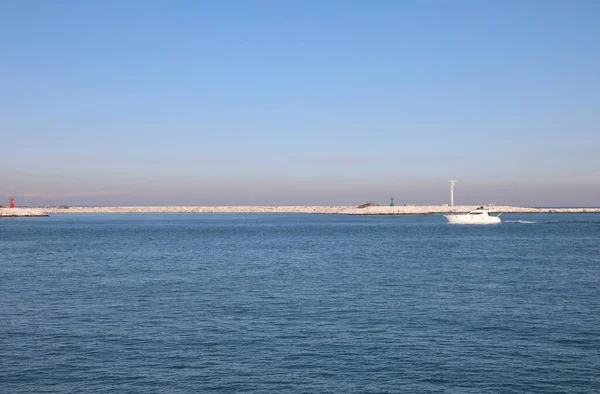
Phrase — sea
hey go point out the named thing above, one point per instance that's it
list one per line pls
(299, 303)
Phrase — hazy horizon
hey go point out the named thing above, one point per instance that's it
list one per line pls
(324, 193)
(300, 103)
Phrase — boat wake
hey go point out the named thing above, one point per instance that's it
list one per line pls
(553, 222)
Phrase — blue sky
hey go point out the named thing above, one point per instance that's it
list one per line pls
(300, 102)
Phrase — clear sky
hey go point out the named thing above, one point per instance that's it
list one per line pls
(316, 102)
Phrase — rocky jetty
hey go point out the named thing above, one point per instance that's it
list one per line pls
(201, 209)
(443, 209)
(328, 209)
(21, 212)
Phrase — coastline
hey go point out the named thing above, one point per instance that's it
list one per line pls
(328, 209)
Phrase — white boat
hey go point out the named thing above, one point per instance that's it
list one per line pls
(480, 215)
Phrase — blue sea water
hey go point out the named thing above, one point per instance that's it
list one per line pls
(273, 303)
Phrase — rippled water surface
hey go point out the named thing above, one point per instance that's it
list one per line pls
(299, 303)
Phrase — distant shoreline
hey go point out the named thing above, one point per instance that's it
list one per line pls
(329, 209)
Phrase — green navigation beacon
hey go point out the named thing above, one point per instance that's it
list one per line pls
(391, 201)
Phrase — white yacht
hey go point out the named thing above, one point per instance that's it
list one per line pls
(480, 215)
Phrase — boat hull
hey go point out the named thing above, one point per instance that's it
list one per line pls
(472, 219)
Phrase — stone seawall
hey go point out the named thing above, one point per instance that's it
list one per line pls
(344, 210)
(331, 209)
(438, 209)
(201, 209)
(21, 212)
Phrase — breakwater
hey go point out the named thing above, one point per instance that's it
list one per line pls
(326, 209)
(22, 212)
